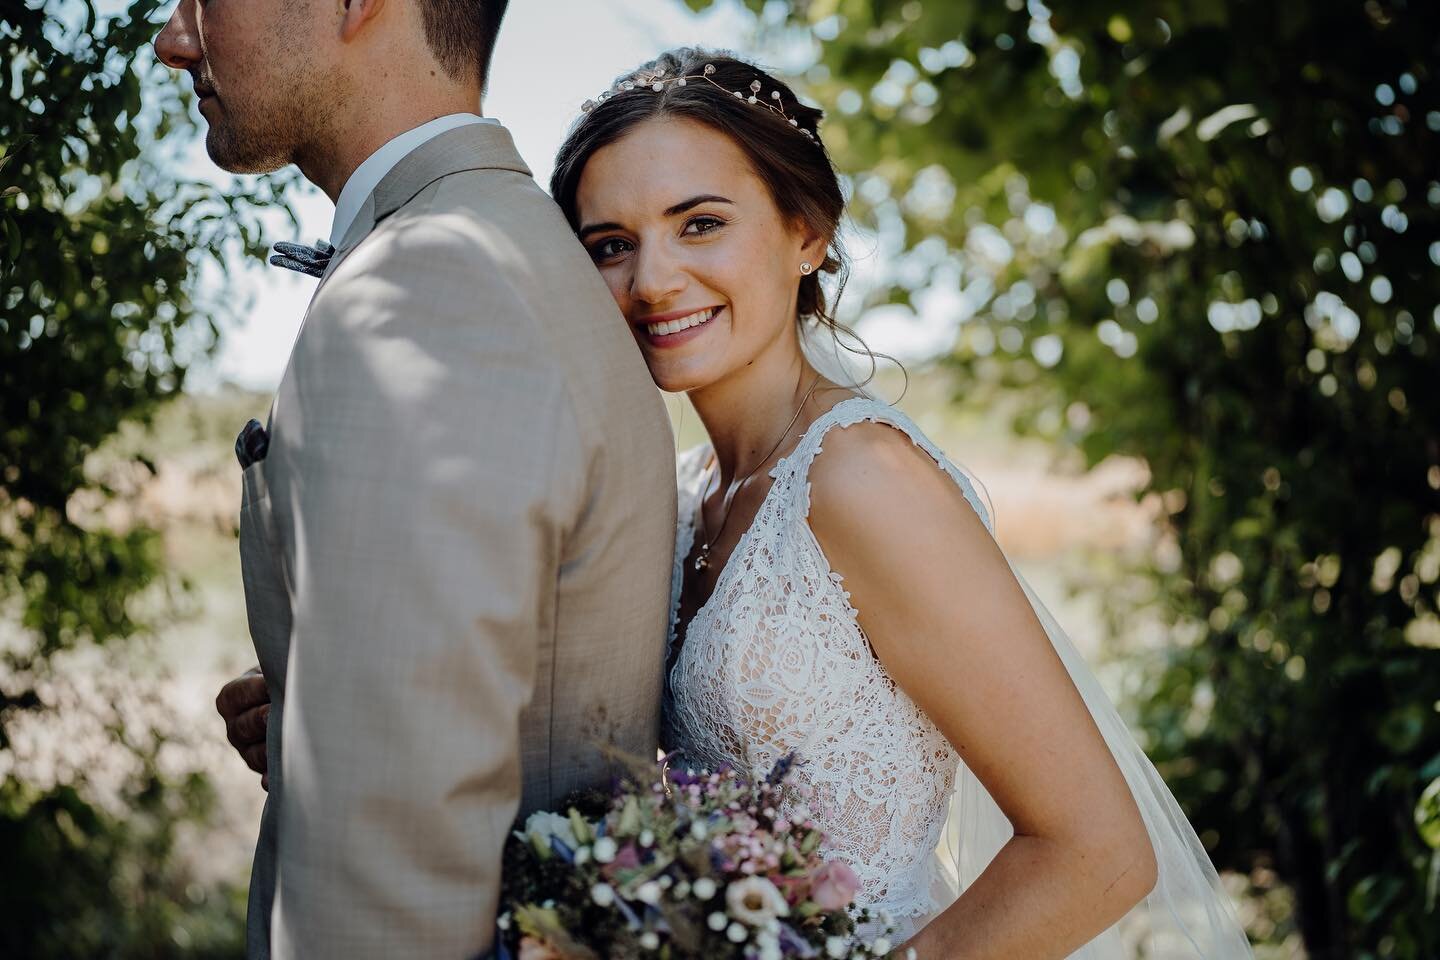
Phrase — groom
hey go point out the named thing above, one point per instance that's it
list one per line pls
(457, 527)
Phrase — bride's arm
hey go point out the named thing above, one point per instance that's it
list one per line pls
(954, 629)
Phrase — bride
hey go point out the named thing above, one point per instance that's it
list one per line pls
(838, 591)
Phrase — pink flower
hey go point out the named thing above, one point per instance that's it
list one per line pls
(628, 858)
(833, 885)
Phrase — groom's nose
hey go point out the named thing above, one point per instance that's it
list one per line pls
(178, 42)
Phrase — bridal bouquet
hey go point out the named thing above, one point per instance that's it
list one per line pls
(690, 866)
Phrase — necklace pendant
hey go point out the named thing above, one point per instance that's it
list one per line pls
(702, 562)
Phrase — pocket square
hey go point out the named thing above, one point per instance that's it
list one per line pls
(252, 444)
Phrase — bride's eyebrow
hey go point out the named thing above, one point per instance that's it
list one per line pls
(674, 211)
(684, 205)
(585, 231)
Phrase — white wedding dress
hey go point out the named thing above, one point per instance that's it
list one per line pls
(775, 662)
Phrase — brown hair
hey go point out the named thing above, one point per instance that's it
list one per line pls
(795, 168)
(461, 34)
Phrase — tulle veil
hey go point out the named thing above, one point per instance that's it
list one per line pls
(1188, 914)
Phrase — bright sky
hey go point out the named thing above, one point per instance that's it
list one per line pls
(552, 55)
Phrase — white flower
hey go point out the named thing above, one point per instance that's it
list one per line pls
(649, 941)
(880, 946)
(648, 892)
(603, 894)
(647, 839)
(503, 921)
(605, 850)
(698, 829)
(735, 933)
(910, 953)
(836, 948)
(681, 890)
(717, 921)
(582, 856)
(755, 900)
(542, 825)
(704, 888)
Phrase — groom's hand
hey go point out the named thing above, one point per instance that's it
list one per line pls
(244, 703)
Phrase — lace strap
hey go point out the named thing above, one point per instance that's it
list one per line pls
(794, 469)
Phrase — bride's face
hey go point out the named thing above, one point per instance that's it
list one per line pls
(701, 262)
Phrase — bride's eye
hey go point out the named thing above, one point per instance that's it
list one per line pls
(701, 225)
(608, 249)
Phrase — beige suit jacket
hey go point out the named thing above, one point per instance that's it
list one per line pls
(457, 558)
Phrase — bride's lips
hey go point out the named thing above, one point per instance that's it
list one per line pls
(676, 328)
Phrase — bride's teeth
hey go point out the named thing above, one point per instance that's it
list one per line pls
(667, 327)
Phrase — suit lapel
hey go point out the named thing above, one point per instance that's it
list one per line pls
(475, 146)
(359, 229)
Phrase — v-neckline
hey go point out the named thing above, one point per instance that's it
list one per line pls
(682, 631)
(740, 546)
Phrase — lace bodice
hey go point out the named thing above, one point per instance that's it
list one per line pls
(775, 661)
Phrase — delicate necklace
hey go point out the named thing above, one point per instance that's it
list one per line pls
(702, 562)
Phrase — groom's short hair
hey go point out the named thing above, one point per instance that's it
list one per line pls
(461, 34)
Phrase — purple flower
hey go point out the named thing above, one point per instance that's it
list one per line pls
(781, 770)
(562, 850)
(793, 944)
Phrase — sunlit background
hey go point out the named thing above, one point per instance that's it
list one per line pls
(1166, 280)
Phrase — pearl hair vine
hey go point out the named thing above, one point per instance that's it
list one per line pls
(656, 80)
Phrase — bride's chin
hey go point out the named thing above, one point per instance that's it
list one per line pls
(673, 378)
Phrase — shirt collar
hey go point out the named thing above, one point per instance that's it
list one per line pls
(369, 174)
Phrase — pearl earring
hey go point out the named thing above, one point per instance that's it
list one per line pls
(806, 269)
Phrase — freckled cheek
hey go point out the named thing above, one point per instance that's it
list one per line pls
(726, 269)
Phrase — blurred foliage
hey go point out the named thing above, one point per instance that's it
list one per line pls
(101, 242)
(1205, 235)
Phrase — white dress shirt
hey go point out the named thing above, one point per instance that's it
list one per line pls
(368, 175)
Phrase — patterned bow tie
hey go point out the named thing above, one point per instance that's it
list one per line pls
(308, 260)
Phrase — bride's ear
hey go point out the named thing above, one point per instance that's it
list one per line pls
(815, 246)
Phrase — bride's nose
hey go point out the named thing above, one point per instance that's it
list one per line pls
(658, 276)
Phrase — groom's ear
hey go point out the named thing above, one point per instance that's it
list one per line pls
(356, 15)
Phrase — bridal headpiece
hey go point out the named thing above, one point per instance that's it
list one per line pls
(657, 81)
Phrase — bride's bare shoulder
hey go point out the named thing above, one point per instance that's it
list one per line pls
(886, 513)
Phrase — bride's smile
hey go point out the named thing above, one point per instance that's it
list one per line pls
(674, 328)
